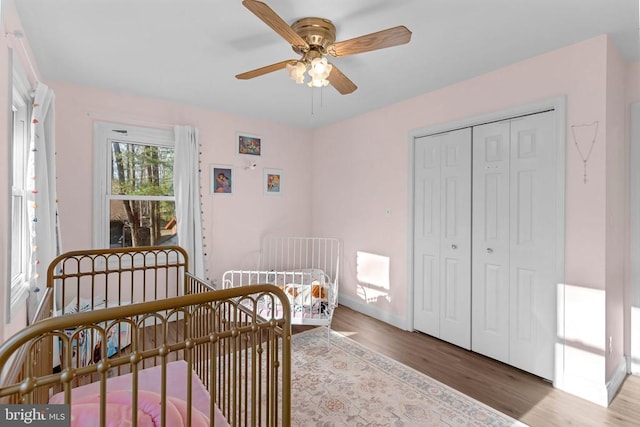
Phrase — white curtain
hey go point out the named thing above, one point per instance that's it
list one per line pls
(186, 187)
(42, 202)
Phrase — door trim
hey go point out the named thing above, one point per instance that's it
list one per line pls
(559, 105)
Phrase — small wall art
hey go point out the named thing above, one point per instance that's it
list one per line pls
(250, 145)
(221, 177)
(273, 182)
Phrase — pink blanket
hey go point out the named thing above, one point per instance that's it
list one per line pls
(150, 381)
(85, 411)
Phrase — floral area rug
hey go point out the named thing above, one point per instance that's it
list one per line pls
(343, 383)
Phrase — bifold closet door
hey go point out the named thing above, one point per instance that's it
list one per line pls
(442, 236)
(514, 244)
(490, 269)
(533, 244)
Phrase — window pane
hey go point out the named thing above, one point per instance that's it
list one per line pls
(17, 249)
(142, 223)
(138, 169)
(19, 146)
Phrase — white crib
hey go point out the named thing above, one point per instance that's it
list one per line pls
(306, 268)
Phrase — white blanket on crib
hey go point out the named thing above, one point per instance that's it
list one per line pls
(304, 287)
(306, 295)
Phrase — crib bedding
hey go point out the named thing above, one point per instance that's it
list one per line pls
(86, 410)
(300, 314)
(149, 380)
(306, 300)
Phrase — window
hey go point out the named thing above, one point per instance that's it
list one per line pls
(19, 256)
(134, 202)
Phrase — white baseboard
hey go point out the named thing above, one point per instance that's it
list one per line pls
(634, 356)
(373, 311)
(585, 389)
(614, 384)
(633, 365)
(593, 390)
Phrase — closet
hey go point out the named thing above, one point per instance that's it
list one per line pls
(484, 250)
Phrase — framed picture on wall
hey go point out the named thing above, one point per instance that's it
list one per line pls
(221, 177)
(273, 182)
(250, 145)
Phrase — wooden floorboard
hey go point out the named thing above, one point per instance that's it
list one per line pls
(521, 395)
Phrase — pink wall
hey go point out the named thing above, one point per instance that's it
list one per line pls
(369, 158)
(233, 224)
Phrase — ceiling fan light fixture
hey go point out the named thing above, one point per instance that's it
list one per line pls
(319, 65)
(296, 71)
(318, 83)
(319, 70)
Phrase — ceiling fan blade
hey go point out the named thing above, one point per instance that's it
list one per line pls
(265, 70)
(379, 40)
(340, 81)
(277, 24)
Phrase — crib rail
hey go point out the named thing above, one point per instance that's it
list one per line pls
(94, 279)
(14, 371)
(296, 253)
(90, 279)
(242, 359)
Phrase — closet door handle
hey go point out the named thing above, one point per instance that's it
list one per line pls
(489, 250)
(454, 246)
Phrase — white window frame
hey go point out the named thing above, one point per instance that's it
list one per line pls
(104, 134)
(20, 107)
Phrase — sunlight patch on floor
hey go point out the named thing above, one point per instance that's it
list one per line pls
(346, 333)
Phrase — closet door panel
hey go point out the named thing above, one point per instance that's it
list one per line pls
(532, 298)
(490, 237)
(426, 263)
(455, 248)
(442, 217)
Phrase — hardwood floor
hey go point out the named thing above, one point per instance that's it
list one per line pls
(507, 389)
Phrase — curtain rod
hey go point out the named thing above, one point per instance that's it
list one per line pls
(127, 120)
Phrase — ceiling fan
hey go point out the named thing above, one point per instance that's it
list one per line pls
(313, 39)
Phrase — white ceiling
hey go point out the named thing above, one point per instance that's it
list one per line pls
(188, 51)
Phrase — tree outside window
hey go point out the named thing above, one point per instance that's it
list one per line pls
(142, 204)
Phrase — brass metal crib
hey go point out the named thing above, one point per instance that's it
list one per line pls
(134, 320)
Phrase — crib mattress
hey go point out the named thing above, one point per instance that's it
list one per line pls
(150, 380)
